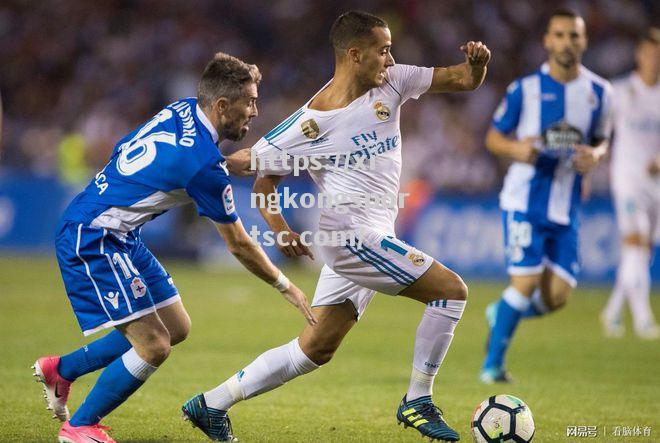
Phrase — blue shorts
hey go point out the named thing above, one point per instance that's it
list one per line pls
(530, 246)
(109, 280)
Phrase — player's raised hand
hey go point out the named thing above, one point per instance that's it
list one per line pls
(240, 163)
(527, 150)
(298, 299)
(585, 158)
(291, 246)
(477, 54)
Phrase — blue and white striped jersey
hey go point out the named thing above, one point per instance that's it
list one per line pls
(171, 160)
(561, 115)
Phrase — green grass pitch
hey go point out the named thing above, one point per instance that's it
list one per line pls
(563, 368)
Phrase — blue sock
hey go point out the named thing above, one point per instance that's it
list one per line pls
(532, 311)
(537, 307)
(117, 382)
(509, 311)
(95, 355)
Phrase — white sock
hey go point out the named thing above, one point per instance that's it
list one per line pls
(271, 369)
(421, 384)
(134, 364)
(434, 335)
(516, 299)
(636, 278)
(612, 311)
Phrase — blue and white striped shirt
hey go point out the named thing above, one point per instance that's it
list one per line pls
(561, 115)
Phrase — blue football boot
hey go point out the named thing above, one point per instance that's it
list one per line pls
(212, 422)
(426, 418)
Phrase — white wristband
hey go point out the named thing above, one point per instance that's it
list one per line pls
(282, 283)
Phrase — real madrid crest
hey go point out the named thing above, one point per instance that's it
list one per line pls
(310, 128)
(382, 111)
(416, 259)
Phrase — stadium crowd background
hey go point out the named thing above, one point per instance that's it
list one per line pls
(76, 76)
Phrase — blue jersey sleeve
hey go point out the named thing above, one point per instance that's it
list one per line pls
(211, 189)
(507, 115)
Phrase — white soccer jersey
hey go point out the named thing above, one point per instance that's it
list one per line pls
(367, 128)
(637, 131)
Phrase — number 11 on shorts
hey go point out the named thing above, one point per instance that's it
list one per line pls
(387, 244)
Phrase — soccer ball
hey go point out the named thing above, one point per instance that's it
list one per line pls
(502, 418)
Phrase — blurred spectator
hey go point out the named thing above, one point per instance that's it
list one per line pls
(77, 75)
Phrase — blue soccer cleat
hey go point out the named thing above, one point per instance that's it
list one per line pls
(491, 376)
(212, 422)
(426, 417)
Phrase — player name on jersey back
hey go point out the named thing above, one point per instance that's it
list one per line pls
(170, 160)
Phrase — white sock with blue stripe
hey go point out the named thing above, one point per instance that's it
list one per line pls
(270, 370)
(434, 335)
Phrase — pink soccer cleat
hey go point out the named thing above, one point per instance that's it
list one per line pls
(84, 434)
(56, 388)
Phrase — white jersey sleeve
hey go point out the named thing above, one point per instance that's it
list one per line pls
(409, 81)
(274, 150)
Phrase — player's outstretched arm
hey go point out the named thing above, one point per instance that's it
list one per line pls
(524, 151)
(257, 262)
(291, 245)
(467, 76)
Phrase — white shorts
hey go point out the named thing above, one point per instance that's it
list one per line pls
(380, 263)
(638, 211)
